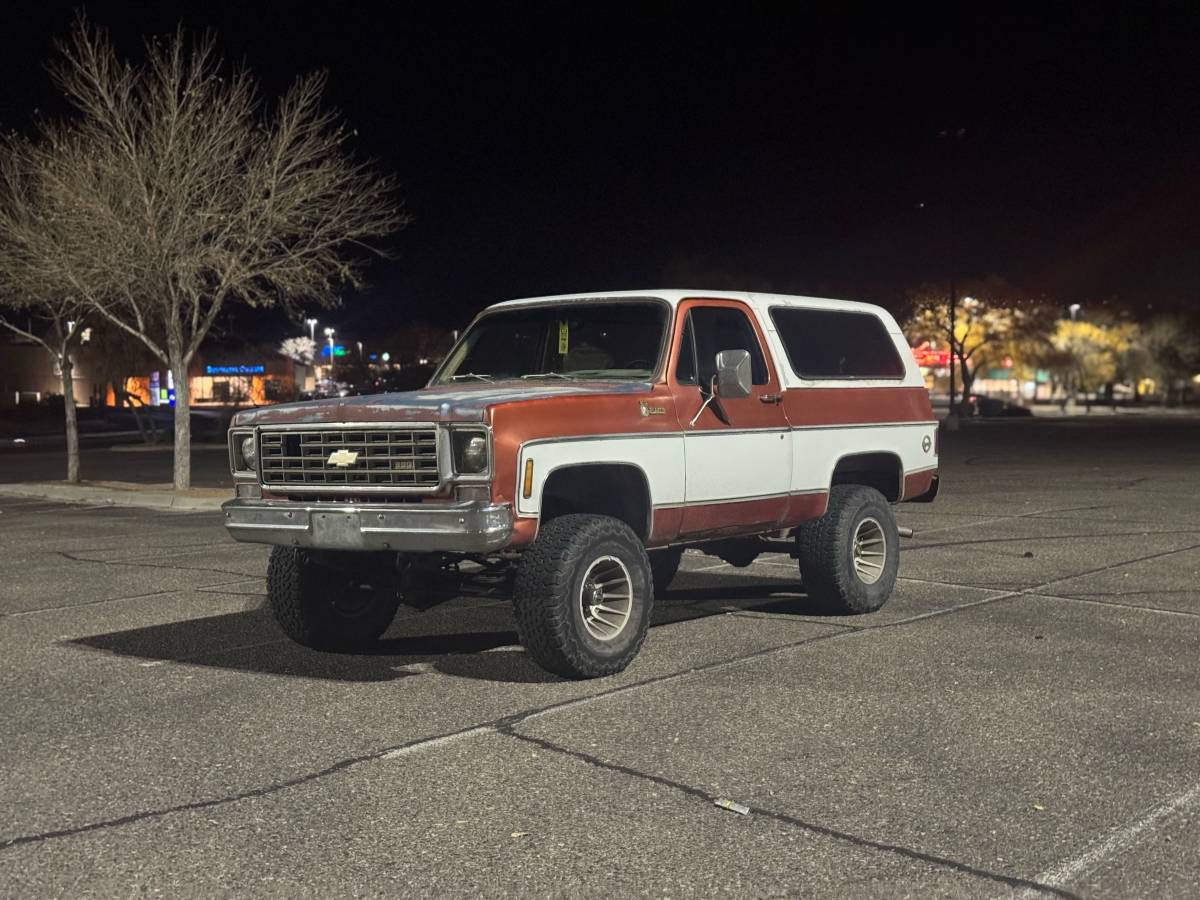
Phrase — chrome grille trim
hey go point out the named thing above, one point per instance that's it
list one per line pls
(398, 458)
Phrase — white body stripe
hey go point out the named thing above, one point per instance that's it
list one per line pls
(817, 450)
(716, 466)
(660, 457)
(736, 465)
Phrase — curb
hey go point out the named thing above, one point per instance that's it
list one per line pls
(167, 501)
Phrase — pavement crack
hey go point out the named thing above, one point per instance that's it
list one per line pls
(208, 589)
(1026, 539)
(132, 818)
(141, 565)
(507, 725)
(794, 822)
(405, 749)
(1130, 606)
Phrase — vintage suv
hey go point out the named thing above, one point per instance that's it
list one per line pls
(570, 448)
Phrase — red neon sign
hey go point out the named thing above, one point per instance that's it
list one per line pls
(927, 357)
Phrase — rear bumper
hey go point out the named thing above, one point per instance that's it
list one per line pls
(407, 528)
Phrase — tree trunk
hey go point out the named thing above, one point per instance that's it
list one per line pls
(127, 402)
(67, 367)
(968, 379)
(183, 426)
(967, 375)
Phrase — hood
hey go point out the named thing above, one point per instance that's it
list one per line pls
(445, 403)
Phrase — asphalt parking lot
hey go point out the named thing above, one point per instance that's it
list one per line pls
(1021, 719)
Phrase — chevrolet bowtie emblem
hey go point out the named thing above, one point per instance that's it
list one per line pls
(343, 459)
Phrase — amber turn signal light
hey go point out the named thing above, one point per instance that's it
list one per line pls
(527, 485)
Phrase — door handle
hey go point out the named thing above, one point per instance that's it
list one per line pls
(770, 398)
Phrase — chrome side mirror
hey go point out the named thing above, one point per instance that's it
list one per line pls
(733, 381)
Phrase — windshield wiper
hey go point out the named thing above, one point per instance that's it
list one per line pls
(471, 375)
(547, 375)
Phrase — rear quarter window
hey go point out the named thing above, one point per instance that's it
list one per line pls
(825, 343)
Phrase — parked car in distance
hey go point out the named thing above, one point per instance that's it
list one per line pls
(995, 407)
(570, 448)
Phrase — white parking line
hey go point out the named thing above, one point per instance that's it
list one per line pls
(1117, 842)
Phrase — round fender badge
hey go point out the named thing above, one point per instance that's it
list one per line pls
(926, 443)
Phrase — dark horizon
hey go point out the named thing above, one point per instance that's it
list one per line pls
(555, 155)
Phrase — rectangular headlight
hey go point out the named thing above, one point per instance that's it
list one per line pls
(470, 451)
(243, 452)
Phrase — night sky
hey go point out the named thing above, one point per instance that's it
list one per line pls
(583, 152)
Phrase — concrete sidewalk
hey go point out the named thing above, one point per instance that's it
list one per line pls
(122, 493)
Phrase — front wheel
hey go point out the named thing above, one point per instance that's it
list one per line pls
(320, 602)
(583, 596)
(850, 556)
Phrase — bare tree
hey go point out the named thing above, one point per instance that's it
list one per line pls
(185, 193)
(30, 237)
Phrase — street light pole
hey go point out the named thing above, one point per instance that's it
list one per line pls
(312, 329)
(953, 304)
(329, 335)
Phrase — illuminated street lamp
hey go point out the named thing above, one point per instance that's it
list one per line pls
(1074, 310)
(329, 335)
(312, 329)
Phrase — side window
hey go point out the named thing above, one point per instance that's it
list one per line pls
(825, 343)
(717, 328)
(685, 369)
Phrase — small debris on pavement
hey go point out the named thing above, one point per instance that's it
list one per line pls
(1039, 808)
(732, 806)
(520, 834)
(1028, 554)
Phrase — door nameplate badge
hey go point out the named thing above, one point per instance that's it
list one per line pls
(648, 410)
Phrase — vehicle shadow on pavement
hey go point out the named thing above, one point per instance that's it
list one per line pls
(477, 642)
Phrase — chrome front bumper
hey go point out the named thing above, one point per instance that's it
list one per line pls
(471, 527)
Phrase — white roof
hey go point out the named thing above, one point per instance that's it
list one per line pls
(761, 304)
(675, 295)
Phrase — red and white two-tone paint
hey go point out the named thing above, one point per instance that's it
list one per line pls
(556, 418)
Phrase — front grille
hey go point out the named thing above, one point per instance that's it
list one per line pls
(378, 457)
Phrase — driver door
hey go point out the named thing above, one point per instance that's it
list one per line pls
(737, 452)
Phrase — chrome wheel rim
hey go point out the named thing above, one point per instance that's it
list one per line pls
(869, 551)
(606, 598)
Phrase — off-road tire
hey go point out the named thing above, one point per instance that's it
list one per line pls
(664, 564)
(548, 589)
(825, 548)
(310, 602)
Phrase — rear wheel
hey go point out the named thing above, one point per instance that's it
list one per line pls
(850, 556)
(583, 596)
(319, 601)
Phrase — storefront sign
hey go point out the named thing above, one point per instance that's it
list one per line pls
(235, 370)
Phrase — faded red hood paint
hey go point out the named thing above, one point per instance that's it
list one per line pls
(445, 403)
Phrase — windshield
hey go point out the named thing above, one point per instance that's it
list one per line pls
(575, 341)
